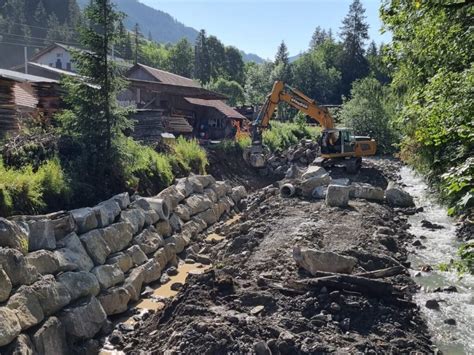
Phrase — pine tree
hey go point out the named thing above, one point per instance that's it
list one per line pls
(181, 58)
(202, 68)
(40, 17)
(354, 33)
(282, 54)
(318, 38)
(54, 33)
(137, 43)
(235, 65)
(94, 118)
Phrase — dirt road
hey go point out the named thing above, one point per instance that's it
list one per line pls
(248, 303)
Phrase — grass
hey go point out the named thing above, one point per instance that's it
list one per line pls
(189, 156)
(282, 135)
(27, 191)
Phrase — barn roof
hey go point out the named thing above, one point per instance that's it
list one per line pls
(163, 76)
(219, 105)
(21, 77)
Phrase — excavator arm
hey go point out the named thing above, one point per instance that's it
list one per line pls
(295, 98)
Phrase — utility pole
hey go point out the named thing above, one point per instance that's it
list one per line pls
(137, 33)
(26, 59)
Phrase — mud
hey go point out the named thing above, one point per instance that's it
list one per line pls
(247, 302)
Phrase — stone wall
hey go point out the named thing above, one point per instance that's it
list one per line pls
(63, 274)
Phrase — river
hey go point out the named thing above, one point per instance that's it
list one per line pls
(439, 247)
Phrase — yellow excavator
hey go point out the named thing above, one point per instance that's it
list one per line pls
(339, 146)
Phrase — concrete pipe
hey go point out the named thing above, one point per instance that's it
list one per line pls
(160, 206)
(287, 190)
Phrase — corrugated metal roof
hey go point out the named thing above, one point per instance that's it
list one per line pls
(21, 77)
(218, 105)
(167, 77)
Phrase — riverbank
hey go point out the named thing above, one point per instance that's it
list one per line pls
(257, 299)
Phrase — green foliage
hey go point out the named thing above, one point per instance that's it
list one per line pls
(465, 262)
(231, 89)
(144, 170)
(282, 135)
(25, 191)
(181, 58)
(432, 53)
(238, 145)
(370, 112)
(258, 83)
(189, 155)
(154, 55)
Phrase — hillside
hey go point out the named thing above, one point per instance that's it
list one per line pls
(162, 26)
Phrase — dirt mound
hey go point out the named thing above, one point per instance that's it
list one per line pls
(256, 299)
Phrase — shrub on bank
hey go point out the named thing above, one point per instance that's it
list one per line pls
(27, 191)
(189, 156)
(282, 135)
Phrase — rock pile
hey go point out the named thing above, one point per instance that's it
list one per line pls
(301, 154)
(63, 274)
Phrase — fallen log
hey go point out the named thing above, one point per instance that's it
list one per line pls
(376, 274)
(345, 282)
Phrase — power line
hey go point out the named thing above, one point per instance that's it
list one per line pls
(42, 28)
(23, 45)
(26, 38)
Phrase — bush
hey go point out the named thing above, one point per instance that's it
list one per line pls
(282, 135)
(144, 170)
(189, 156)
(371, 111)
(25, 191)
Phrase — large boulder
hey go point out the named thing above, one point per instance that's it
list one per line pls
(44, 261)
(221, 188)
(180, 241)
(204, 180)
(308, 185)
(122, 260)
(52, 295)
(209, 216)
(118, 236)
(398, 197)
(9, 326)
(198, 203)
(238, 193)
(137, 255)
(183, 212)
(63, 223)
(72, 255)
(176, 223)
(41, 235)
(172, 196)
(95, 246)
(135, 217)
(315, 260)
(17, 268)
(210, 194)
(313, 171)
(5, 285)
(108, 275)
(184, 187)
(84, 319)
(50, 338)
(337, 196)
(22, 345)
(110, 209)
(122, 199)
(26, 305)
(12, 235)
(367, 192)
(164, 228)
(320, 192)
(164, 255)
(149, 240)
(134, 282)
(152, 271)
(79, 284)
(114, 300)
(85, 219)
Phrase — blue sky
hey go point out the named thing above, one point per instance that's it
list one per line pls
(258, 26)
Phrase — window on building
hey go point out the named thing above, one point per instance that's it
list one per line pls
(59, 64)
(215, 123)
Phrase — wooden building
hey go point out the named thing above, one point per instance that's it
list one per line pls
(24, 96)
(167, 102)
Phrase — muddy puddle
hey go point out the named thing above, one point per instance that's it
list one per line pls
(440, 246)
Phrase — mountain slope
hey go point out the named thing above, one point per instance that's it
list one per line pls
(162, 26)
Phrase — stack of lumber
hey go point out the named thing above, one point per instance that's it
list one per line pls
(148, 125)
(177, 124)
(8, 121)
(49, 98)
